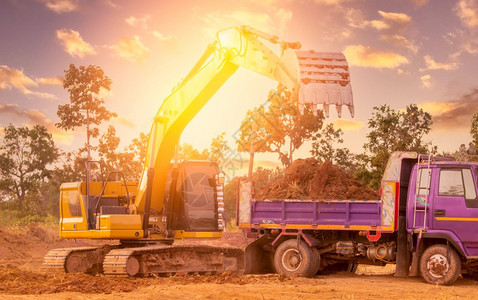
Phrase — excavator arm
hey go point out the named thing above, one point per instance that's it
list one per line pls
(235, 47)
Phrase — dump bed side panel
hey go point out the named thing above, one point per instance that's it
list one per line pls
(344, 213)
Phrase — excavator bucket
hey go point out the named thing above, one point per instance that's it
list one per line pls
(324, 80)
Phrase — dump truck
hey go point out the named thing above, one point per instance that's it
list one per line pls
(181, 200)
(425, 222)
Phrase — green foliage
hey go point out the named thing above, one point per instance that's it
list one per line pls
(261, 177)
(280, 128)
(231, 226)
(130, 161)
(474, 129)
(188, 152)
(324, 147)
(84, 85)
(218, 148)
(390, 131)
(230, 196)
(215, 153)
(25, 156)
(86, 106)
(10, 218)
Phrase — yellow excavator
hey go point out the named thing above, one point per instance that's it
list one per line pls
(182, 200)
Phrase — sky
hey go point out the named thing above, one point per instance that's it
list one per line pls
(400, 52)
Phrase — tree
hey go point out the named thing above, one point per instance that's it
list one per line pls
(188, 152)
(137, 153)
(280, 128)
(24, 159)
(218, 148)
(323, 149)
(394, 131)
(474, 129)
(130, 161)
(86, 106)
(261, 177)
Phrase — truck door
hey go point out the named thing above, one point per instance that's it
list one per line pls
(455, 206)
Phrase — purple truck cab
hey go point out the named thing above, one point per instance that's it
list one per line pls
(426, 222)
(443, 202)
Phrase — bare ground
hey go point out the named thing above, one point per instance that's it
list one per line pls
(21, 277)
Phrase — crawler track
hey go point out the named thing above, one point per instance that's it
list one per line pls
(173, 259)
(78, 259)
(160, 259)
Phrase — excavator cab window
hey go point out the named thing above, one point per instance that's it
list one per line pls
(195, 207)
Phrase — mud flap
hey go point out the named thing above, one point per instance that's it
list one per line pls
(414, 267)
(258, 260)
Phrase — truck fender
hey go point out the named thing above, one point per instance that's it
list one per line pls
(310, 240)
(448, 236)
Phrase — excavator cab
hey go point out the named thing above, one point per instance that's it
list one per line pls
(99, 209)
(192, 197)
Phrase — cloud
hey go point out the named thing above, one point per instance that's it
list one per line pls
(363, 56)
(161, 36)
(355, 18)
(123, 121)
(141, 22)
(14, 78)
(348, 125)
(399, 18)
(111, 3)
(420, 2)
(433, 65)
(393, 26)
(74, 43)
(331, 2)
(273, 20)
(465, 41)
(467, 11)
(35, 117)
(132, 49)
(453, 114)
(61, 6)
(400, 41)
(50, 80)
(426, 81)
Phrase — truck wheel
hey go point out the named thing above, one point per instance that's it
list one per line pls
(440, 264)
(291, 260)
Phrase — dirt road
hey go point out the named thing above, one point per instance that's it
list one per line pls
(21, 277)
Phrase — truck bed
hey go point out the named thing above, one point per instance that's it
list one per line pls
(333, 214)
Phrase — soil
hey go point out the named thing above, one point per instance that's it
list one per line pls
(21, 276)
(308, 179)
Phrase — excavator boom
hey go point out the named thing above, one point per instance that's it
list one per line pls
(323, 78)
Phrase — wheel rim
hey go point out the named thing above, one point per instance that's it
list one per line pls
(291, 260)
(438, 265)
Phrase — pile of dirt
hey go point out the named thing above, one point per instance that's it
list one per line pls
(308, 179)
(20, 282)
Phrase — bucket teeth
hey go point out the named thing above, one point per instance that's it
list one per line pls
(324, 80)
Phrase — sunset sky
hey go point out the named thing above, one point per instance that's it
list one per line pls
(400, 52)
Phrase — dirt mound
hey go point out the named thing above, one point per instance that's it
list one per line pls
(308, 179)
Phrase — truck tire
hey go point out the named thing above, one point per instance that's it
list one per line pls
(349, 267)
(291, 260)
(440, 265)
